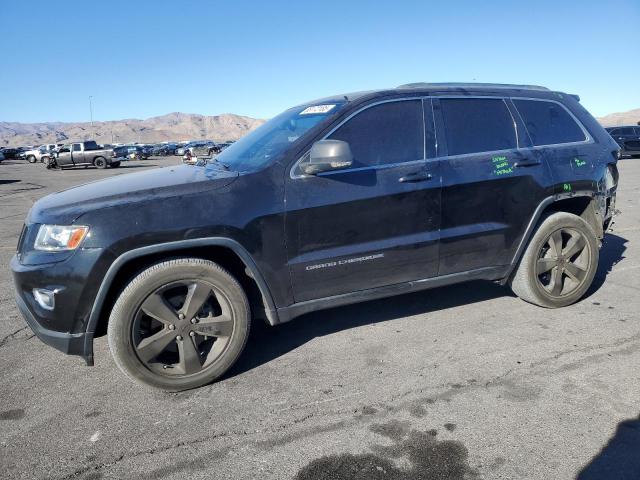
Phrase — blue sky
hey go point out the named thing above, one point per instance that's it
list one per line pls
(145, 58)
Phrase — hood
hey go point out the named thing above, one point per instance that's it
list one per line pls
(66, 206)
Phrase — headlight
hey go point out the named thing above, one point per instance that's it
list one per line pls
(57, 238)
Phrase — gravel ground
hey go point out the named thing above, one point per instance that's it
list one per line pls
(464, 382)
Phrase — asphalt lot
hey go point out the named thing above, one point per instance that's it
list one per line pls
(464, 382)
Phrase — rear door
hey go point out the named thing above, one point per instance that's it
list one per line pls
(559, 139)
(375, 223)
(491, 182)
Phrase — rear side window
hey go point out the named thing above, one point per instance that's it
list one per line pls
(548, 123)
(391, 132)
(474, 125)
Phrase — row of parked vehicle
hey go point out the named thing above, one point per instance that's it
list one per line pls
(59, 154)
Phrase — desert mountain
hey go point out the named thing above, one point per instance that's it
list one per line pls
(632, 117)
(173, 126)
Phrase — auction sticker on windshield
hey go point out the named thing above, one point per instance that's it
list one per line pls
(316, 109)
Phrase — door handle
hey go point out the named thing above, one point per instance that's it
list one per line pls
(527, 163)
(415, 177)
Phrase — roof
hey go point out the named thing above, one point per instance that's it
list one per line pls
(428, 88)
(491, 86)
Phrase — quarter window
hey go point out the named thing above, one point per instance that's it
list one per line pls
(474, 125)
(548, 123)
(391, 132)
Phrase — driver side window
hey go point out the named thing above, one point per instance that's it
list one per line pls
(387, 133)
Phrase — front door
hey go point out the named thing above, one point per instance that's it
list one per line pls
(375, 223)
(64, 156)
(76, 154)
(490, 186)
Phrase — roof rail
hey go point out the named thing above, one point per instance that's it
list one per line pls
(471, 85)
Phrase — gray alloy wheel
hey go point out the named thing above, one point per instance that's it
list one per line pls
(563, 262)
(179, 324)
(100, 162)
(559, 264)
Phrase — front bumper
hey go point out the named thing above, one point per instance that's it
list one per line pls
(69, 343)
(76, 279)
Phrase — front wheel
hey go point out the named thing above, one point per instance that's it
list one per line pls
(31, 159)
(179, 324)
(559, 264)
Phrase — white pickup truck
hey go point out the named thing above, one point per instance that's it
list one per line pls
(43, 153)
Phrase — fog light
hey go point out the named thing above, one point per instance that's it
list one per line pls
(45, 298)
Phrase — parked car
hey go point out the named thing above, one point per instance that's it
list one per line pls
(164, 149)
(83, 154)
(628, 137)
(147, 151)
(10, 153)
(189, 146)
(120, 153)
(1, 156)
(329, 203)
(131, 152)
(21, 155)
(40, 154)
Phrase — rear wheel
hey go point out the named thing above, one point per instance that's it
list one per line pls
(559, 264)
(100, 162)
(31, 159)
(179, 324)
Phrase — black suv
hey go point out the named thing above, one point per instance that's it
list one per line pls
(340, 200)
(628, 138)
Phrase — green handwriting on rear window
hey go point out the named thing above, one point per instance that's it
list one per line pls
(579, 163)
(501, 166)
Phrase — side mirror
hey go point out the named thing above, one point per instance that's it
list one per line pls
(328, 155)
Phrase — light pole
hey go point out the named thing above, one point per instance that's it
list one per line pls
(91, 113)
(91, 109)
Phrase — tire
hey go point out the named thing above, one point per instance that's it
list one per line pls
(31, 159)
(100, 162)
(550, 280)
(159, 289)
(115, 164)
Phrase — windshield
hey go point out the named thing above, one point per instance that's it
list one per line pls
(261, 146)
